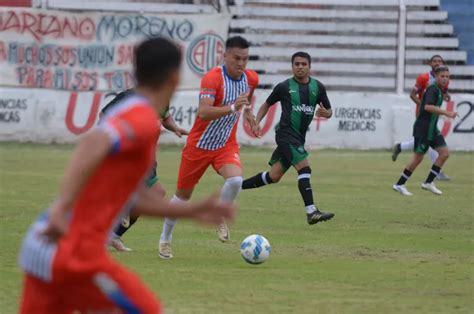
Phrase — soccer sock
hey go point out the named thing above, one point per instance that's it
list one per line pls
(404, 177)
(168, 224)
(231, 188)
(304, 185)
(433, 173)
(408, 145)
(433, 154)
(258, 180)
(121, 229)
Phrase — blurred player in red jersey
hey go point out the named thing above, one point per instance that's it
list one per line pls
(422, 82)
(64, 257)
(225, 90)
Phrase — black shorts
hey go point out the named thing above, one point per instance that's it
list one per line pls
(422, 144)
(288, 154)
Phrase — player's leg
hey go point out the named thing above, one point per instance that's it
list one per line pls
(441, 148)
(38, 297)
(402, 147)
(433, 154)
(111, 289)
(226, 162)
(301, 164)
(128, 221)
(276, 172)
(193, 165)
(419, 150)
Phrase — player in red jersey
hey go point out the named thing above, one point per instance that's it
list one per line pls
(225, 90)
(64, 257)
(422, 82)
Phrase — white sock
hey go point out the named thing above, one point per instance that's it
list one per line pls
(231, 189)
(168, 224)
(408, 145)
(310, 209)
(433, 154)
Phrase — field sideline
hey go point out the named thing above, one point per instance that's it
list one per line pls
(382, 253)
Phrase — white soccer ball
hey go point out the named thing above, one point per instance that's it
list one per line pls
(255, 249)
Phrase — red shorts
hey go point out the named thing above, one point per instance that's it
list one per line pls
(86, 296)
(194, 162)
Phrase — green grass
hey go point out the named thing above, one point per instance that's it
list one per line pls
(382, 252)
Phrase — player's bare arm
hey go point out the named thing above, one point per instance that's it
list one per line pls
(323, 111)
(414, 96)
(88, 154)
(437, 110)
(169, 124)
(207, 110)
(210, 210)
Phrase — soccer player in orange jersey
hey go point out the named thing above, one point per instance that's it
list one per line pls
(225, 91)
(422, 82)
(64, 256)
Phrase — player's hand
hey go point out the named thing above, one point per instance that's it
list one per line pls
(323, 112)
(256, 130)
(57, 225)
(446, 97)
(180, 132)
(452, 114)
(242, 100)
(211, 210)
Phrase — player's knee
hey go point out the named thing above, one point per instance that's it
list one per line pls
(304, 172)
(444, 154)
(234, 183)
(276, 177)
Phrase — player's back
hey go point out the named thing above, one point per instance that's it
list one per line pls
(131, 126)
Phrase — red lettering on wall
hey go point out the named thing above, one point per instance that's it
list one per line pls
(268, 122)
(447, 122)
(90, 119)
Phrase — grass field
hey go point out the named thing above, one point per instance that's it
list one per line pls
(383, 253)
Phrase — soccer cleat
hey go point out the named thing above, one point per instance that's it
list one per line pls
(318, 216)
(164, 250)
(431, 187)
(402, 190)
(223, 232)
(396, 150)
(442, 177)
(118, 244)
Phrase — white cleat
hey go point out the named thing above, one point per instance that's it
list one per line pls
(118, 244)
(431, 187)
(223, 232)
(164, 250)
(402, 190)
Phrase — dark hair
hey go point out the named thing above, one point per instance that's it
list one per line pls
(436, 56)
(301, 54)
(155, 59)
(236, 42)
(441, 68)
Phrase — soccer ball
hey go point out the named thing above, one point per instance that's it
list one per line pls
(255, 249)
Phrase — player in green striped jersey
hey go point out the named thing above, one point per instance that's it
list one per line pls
(299, 97)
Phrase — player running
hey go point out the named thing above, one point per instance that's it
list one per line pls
(152, 182)
(426, 134)
(212, 141)
(64, 257)
(299, 97)
(422, 82)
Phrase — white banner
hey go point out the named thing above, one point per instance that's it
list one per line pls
(360, 120)
(94, 51)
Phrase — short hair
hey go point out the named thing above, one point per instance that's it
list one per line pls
(301, 54)
(155, 59)
(436, 56)
(441, 68)
(236, 42)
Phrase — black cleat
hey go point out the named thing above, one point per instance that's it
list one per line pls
(318, 216)
(396, 150)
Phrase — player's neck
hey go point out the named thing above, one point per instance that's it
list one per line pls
(304, 80)
(157, 98)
